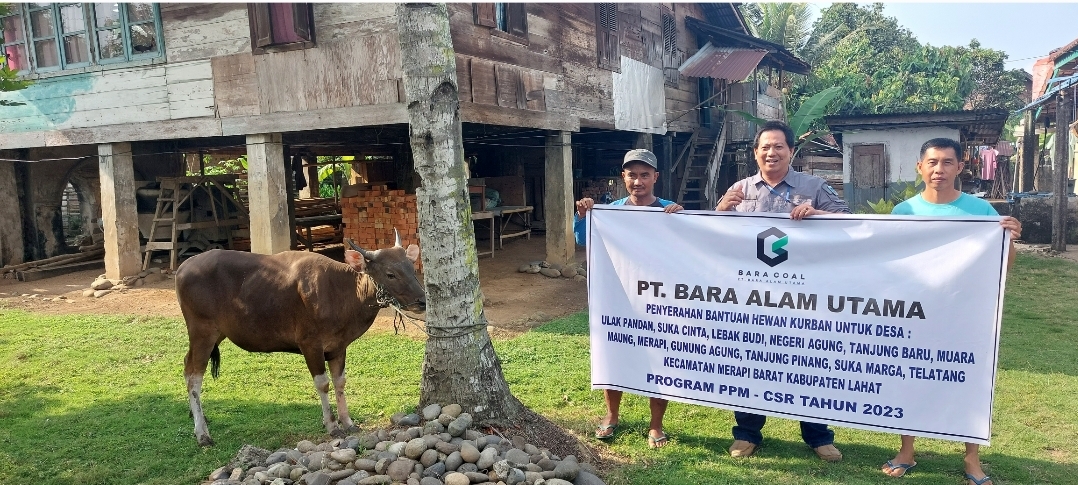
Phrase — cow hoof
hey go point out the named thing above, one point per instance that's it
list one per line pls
(205, 440)
(338, 433)
(348, 429)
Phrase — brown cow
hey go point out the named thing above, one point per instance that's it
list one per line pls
(298, 302)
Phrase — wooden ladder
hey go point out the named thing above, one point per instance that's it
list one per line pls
(168, 207)
(693, 162)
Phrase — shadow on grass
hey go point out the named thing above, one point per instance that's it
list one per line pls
(138, 439)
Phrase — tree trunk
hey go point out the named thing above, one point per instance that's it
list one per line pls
(460, 364)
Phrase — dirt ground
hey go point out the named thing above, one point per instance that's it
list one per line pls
(513, 302)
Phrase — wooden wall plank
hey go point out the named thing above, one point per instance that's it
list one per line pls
(201, 31)
(481, 113)
(464, 78)
(377, 114)
(484, 90)
(508, 85)
(235, 85)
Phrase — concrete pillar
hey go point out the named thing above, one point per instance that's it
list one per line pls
(558, 204)
(11, 243)
(267, 194)
(118, 214)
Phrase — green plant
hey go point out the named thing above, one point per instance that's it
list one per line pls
(886, 205)
(802, 121)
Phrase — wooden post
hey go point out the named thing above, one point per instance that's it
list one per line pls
(11, 245)
(1029, 160)
(645, 141)
(558, 204)
(666, 159)
(118, 214)
(267, 194)
(1060, 172)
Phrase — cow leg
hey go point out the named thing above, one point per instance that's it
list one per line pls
(317, 365)
(336, 369)
(194, 368)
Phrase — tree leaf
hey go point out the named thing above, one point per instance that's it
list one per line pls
(811, 110)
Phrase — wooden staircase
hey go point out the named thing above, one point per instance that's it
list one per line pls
(697, 167)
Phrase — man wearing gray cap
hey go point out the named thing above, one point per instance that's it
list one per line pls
(639, 170)
(777, 188)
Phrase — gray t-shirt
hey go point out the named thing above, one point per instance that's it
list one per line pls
(794, 189)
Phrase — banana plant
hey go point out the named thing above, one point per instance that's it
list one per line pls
(807, 114)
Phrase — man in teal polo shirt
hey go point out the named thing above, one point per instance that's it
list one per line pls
(940, 164)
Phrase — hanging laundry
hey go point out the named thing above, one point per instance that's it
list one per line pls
(988, 163)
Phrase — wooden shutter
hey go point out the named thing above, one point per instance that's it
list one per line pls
(671, 58)
(484, 14)
(606, 36)
(301, 20)
(518, 19)
(261, 27)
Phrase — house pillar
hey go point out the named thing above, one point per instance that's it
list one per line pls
(1028, 162)
(558, 206)
(118, 214)
(267, 188)
(666, 176)
(645, 141)
(1060, 172)
(11, 243)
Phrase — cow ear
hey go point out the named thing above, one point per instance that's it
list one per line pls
(355, 260)
(412, 252)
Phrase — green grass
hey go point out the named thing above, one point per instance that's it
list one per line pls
(100, 400)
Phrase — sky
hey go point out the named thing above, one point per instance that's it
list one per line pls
(1025, 31)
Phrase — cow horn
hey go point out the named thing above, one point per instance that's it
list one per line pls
(357, 248)
(397, 244)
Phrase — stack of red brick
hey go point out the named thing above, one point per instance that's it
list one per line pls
(370, 217)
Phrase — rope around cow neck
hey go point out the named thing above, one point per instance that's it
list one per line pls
(401, 318)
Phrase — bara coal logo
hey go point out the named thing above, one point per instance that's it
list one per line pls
(769, 246)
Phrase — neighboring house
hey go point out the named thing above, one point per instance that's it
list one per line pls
(880, 152)
(125, 93)
(1055, 74)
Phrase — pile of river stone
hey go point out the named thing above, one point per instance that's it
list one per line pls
(436, 447)
(103, 286)
(576, 271)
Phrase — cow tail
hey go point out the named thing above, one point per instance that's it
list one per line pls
(215, 362)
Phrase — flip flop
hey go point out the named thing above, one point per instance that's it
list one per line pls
(905, 467)
(657, 442)
(976, 481)
(605, 431)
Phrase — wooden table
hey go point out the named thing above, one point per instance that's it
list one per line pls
(489, 217)
(507, 214)
(311, 221)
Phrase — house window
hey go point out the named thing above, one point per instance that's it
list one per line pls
(671, 57)
(281, 26)
(606, 36)
(41, 37)
(510, 18)
(14, 42)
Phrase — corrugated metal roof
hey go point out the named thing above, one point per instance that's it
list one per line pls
(730, 63)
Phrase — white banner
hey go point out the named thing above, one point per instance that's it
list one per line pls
(884, 323)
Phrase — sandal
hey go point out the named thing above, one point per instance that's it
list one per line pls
(605, 431)
(976, 481)
(657, 441)
(891, 466)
